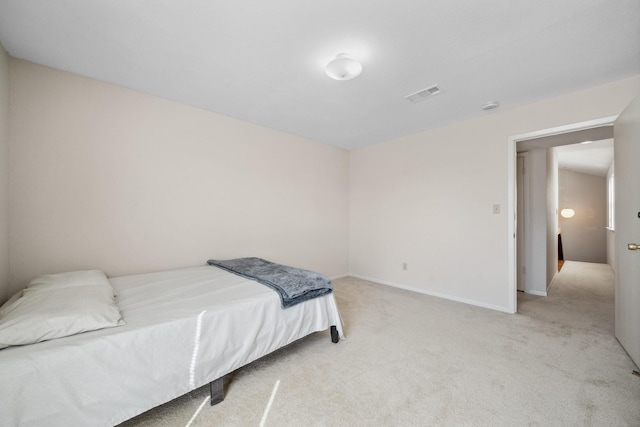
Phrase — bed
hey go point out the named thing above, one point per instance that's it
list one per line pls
(184, 329)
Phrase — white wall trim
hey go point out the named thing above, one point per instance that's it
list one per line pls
(339, 276)
(539, 293)
(589, 124)
(512, 201)
(553, 279)
(433, 294)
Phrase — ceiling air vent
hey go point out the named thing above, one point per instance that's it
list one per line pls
(423, 94)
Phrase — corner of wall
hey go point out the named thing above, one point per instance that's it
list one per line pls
(4, 174)
(552, 215)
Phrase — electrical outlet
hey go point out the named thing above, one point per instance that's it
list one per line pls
(496, 209)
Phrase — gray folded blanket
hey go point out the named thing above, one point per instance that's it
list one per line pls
(294, 285)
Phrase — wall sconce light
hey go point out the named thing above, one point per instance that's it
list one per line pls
(343, 67)
(567, 213)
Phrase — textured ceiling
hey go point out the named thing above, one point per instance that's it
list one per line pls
(263, 61)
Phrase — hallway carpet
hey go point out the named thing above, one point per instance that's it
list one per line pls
(415, 360)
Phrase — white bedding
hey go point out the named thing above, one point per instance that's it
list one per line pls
(184, 328)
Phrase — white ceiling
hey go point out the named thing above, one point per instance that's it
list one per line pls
(262, 61)
(593, 159)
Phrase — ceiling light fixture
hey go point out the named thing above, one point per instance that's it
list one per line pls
(567, 213)
(343, 67)
(490, 105)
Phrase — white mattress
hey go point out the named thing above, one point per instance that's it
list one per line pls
(184, 329)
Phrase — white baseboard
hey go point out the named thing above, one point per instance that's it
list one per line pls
(434, 294)
(340, 276)
(539, 293)
(553, 280)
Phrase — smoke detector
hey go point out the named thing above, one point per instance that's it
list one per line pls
(423, 94)
(490, 105)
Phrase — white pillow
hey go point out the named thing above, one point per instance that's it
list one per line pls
(58, 306)
(72, 278)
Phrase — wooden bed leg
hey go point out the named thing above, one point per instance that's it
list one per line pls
(334, 334)
(216, 389)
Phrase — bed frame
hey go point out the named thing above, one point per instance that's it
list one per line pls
(216, 387)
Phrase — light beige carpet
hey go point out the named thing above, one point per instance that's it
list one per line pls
(415, 360)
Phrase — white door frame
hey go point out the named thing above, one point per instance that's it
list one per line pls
(511, 194)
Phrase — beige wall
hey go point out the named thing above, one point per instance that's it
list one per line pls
(4, 174)
(426, 199)
(552, 215)
(536, 217)
(584, 237)
(108, 178)
(542, 202)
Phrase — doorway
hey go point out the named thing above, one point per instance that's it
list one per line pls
(563, 135)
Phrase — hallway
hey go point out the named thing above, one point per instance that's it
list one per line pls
(578, 314)
(580, 298)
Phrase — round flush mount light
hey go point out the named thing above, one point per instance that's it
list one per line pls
(567, 213)
(343, 67)
(490, 105)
